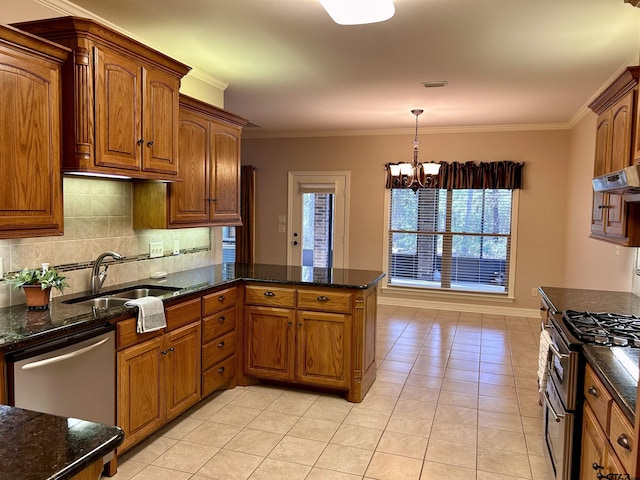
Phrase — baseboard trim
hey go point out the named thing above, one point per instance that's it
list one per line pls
(460, 307)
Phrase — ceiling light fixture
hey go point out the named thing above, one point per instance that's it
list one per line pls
(357, 12)
(414, 175)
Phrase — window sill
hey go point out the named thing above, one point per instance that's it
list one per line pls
(434, 295)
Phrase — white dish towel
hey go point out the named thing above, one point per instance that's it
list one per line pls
(150, 314)
(543, 357)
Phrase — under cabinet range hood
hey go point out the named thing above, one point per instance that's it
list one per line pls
(626, 181)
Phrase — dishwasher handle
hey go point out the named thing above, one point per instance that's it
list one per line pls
(62, 358)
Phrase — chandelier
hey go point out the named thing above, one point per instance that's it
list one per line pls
(414, 175)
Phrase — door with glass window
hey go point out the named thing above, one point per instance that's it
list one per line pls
(317, 232)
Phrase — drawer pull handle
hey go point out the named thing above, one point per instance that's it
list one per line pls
(623, 441)
(322, 298)
(221, 345)
(221, 319)
(595, 466)
(221, 370)
(593, 391)
(221, 298)
(269, 294)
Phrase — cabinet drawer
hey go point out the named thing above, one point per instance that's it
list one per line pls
(270, 296)
(220, 348)
(218, 375)
(622, 439)
(220, 300)
(218, 324)
(326, 301)
(126, 334)
(182, 313)
(597, 397)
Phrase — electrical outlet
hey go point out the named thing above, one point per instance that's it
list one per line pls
(534, 292)
(155, 250)
(176, 247)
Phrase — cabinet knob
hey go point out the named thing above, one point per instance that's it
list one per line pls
(150, 144)
(289, 323)
(221, 345)
(164, 352)
(604, 206)
(221, 319)
(221, 370)
(140, 141)
(269, 294)
(171, 349)
(222, 298)
(595, 466)
(299, 324)
(623, 441)
(322, 298)
(593, 391)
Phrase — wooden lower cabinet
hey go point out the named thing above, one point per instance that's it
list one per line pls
(157, 380)
(315, 337)
(594, 445)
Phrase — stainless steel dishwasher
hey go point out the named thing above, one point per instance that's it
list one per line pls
(71, 377)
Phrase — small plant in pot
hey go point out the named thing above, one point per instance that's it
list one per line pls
(37, 285)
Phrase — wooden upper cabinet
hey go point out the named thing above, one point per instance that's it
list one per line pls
(121, 98)
(30, 133)
(617, 147)
(225, 177)
(209, 166)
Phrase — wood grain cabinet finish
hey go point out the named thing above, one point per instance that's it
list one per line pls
(209, 166)
(120, 98)
(608, 444)
(159, 376)
(219, 340)
(617, 147)
(306, 336)
(30, 125)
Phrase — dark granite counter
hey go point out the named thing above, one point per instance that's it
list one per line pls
(20, 327)
(38, 446)
(605, 360)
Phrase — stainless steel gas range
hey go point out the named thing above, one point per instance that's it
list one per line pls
(563, 399)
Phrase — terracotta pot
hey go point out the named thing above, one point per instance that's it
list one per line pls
(37, 298)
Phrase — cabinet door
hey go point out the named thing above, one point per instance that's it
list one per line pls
(160, 122)
(118, 111)
(593, 446)
(602, 159)
(140, 400)
(616, 222)
(225, 175)
(181, 357)
(597, 214)
(189, 199)
(621, 121)
(270, 342)
(324, 346)
(31, 193)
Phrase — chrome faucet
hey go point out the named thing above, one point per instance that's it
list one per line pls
(98, 277)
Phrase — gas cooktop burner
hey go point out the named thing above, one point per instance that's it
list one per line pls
(604, 328)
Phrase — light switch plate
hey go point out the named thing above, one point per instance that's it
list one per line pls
(155, 250)
(176, 247)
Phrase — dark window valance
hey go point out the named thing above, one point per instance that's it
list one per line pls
(472, 175)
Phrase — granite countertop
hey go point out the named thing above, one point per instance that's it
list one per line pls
(605, 360)
(39, 446)
(20, 327)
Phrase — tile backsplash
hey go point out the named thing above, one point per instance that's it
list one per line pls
(98, 218)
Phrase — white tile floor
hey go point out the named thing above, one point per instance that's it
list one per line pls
(455, 397)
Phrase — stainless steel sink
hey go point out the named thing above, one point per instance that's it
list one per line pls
(103, 302)
(117, 298)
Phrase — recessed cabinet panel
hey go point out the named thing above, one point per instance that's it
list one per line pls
(30, 136)
(226, 176)
(270, 342)
(118, 111)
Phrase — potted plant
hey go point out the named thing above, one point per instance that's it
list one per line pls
(37, 285)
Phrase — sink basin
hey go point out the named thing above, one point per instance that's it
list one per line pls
(103, 302)
(144, 292)
(119, 297)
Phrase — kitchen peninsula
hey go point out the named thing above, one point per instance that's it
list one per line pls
(227, 324)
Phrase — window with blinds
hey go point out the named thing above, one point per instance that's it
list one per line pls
(450, 239)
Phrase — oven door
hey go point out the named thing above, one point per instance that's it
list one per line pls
(558, 433)
(563, 369)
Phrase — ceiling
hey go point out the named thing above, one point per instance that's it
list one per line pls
(287, 67)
